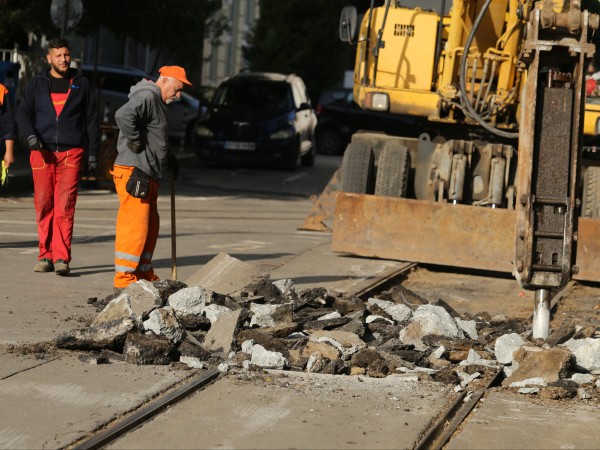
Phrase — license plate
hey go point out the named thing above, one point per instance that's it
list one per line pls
(249, 146)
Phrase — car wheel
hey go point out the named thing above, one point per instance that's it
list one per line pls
(308, 160)
(330, 142)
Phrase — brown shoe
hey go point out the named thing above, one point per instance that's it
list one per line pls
(44, 265)
(61, 267)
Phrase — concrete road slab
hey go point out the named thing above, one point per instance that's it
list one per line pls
(55, 404)
(319, 266)
(506, 421)
(11, 365)
(295, 410)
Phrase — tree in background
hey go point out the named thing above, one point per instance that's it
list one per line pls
(176, 28)
(18, 18)
(300, 36)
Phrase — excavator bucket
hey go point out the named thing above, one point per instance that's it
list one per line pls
(321, 214)
(443, 234)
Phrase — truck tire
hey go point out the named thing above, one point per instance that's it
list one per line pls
(591, 193)
(357, 169)
(392, 172)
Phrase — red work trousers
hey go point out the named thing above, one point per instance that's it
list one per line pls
(137, 231)
(55, 178)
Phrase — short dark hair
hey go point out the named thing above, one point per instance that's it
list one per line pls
(58, 42)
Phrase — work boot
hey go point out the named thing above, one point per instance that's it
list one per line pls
(61, 267)
(44, 265)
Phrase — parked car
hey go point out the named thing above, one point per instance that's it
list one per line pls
(258, 118)
(339, 117)
(114, 83)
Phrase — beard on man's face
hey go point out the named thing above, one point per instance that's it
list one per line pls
(62, 70)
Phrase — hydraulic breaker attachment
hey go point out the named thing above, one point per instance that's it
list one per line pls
(555, 53)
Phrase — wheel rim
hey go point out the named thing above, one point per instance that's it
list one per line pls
(329, 143)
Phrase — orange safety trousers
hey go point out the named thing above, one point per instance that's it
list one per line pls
(137, 231)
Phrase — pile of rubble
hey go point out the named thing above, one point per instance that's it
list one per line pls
(274, 325)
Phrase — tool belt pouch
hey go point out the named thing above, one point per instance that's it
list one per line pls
(138, 184)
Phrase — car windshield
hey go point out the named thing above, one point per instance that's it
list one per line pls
(265, 95)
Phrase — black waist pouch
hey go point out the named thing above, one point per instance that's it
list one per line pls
(138, 184)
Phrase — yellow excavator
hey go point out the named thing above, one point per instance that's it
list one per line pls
(496, 176)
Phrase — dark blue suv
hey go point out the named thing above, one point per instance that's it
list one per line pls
(258, 118)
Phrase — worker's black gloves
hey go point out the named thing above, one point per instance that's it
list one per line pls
(92, 164)
(173, 166)
(33, 143)
(135, 146)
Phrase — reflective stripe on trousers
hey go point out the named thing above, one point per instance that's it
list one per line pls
(137, 231)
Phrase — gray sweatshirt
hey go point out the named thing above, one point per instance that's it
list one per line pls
(143, 119)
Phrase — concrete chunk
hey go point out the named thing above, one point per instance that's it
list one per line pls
(269, 360)
(430, 319)
(284, 285)
(116, 310)
(225, 275)
(469, 327)
(163, 322)
(192, 362)
(214, 312)
(533, 362)
(535, 381)
(324, 348)
(221, 335)
(398, 311)
(270, 315)
(586, 353)
(506, 345)
(345, 338)
(144, 349)
(106, 335)
(143, 298)
(191, 300)
(474, 359)
(582, 378)
(332, 315)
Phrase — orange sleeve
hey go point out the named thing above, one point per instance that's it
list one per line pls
(3, 92)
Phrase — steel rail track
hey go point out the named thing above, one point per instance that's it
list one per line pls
(144, 414)
(446, 425)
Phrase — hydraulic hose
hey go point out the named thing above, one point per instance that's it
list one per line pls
(462, 80)
(378, 44)
(365, 77)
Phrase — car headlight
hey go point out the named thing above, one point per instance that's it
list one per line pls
(286, 133)
(203, 131)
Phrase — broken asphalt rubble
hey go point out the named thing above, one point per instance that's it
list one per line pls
(234, 316)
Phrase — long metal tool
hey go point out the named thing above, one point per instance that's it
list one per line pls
(144, 414)
(541, 314)
(173, 232)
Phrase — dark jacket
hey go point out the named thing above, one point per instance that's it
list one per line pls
(7, 122)
(76, 127)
